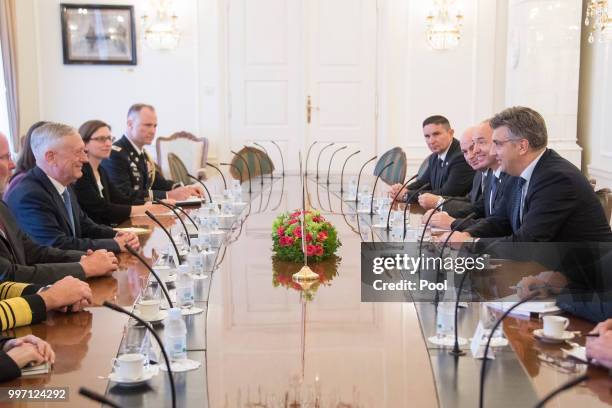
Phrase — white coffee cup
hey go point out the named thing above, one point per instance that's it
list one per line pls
(554, 326)
(149, 309)
(129, 366)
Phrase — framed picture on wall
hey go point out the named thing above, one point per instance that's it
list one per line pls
(98, 34)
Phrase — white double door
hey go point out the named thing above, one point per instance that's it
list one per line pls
(302, 71)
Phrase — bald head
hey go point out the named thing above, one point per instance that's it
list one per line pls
(466, 141)
(483, 147)
(6, 161)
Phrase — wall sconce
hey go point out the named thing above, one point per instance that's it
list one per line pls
(160, 31)
(443, 31)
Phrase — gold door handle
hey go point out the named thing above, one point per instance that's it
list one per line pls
(309, 109)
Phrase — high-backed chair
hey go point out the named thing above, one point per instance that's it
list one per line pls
(423, 168)
(192, 151)
(396, 173)
(178, 171)
(258, 161)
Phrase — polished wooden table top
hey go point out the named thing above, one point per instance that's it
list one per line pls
(268, 343)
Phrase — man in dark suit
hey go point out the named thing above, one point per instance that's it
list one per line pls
(550, 199)
(45, 205)
(132, 170)
(32, 263)
(448, 174)
(487, 194)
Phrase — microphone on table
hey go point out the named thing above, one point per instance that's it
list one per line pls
(247, 167)
(456, 349)
(269, 160)
(159, 342)
(94, 396)
(220, 172)
(564, 387)
(202, 184)
(259, 162)
(319, 156)
(234, 166)
(171, 208)
(408, 200)
(151, 216)
(176, 207)
(375, 182)
(395, 198)
(359, 178)
(331, 160)
(427, 224)
(495, 326)
(132, 251)
(307, 156)
(342, 172)
(281, 156)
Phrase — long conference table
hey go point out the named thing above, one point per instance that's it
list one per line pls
(265, 342)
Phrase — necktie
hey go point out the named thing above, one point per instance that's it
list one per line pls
(516, 204)
(143, 168)
(438, 179)
(68, 205)
(493, 192)
(4, 234)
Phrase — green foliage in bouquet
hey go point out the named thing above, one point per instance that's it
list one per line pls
(321, 237)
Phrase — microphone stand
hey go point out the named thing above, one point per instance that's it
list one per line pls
(247, 167)
(331, 160)
(220, 172)
(176, 207)
(319, 157)
(151, 216)
(570, 384)
(202, 184)
(234, 166)
(395, 199)
(374, 188)
(466, 219)
(281, 155)
(486, 350)
(269, 160)
(418, 272)
(159, 342)
(179, 218)
(408, 200)
(307, 156)
(132, 251)
(359, 180)
(94, 396)
(342, 172)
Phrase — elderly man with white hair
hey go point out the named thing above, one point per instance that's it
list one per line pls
(45, 205)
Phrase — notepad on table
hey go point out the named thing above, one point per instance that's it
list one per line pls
(538, 308)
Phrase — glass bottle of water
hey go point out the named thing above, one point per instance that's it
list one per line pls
(175, 339)
(445, 320)
(184, 287)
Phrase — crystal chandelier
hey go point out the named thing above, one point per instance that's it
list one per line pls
(161, 32)
(597, 13)
(443, 31)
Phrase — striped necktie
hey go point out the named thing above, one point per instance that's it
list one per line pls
(68, 205)
(516, 204)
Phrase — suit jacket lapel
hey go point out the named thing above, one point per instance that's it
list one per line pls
(57, 199)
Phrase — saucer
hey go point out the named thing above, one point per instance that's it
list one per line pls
(539, 334)
(148, 373)
(161, 315)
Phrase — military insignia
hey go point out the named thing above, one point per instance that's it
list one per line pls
(116, 148)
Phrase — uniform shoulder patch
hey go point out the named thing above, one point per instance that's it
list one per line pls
(117, 148)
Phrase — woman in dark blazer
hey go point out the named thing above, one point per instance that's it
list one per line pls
(96, 194)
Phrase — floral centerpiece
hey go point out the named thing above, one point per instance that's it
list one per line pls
(320, 236)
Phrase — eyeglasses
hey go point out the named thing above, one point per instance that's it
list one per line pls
(103, 139)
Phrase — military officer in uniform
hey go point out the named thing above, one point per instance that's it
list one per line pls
(133, 171)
